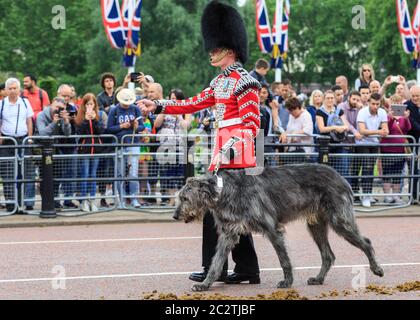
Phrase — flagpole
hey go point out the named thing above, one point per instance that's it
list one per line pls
(279, 26)
(132, 5)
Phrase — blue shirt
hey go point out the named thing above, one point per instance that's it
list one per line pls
(118, 115)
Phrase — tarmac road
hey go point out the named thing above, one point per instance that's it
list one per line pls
(129, 260)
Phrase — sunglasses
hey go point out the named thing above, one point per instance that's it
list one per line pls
(366, 70)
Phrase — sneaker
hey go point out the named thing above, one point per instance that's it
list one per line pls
(366, 202)
(397, 200)
(70, 205)
(85, 206)
(58, 206)
(93, 206)
(372, 200)
(389, 199)
(104, 203)
(135, 203)
(29, 208)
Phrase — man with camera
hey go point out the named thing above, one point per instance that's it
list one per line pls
(69, 165)
(55, 121)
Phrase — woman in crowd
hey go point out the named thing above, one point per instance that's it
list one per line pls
(88, 122)
(300, 123)
(367, 75)
(332, 121)
(315, 102)
(391, 165)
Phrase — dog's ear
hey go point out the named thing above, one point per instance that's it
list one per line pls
(191, 180)
(209, 186)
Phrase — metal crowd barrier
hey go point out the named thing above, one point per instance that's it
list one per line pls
(345, 163)
(163, 161)
(418, 172)
(143, 172)
(68, 166)
(8, 175)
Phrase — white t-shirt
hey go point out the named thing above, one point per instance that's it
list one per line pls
(302, 123)
(372, 122)
(13, 117)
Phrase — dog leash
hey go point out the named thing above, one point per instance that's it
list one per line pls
(216, 170)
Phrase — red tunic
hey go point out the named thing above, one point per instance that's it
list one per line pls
(234, 94)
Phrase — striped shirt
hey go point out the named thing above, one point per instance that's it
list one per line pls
(13, 117)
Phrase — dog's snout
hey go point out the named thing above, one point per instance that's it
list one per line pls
(176, 214)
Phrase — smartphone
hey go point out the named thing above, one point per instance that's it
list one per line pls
(134, 76)
(395, 79)
(137, 119)
(398, 109)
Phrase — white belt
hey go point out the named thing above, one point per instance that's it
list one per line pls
(227, 123)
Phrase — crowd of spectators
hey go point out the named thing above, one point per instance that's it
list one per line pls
(357, 122)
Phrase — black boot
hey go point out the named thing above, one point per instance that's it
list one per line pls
(236, 278)
(200, 276)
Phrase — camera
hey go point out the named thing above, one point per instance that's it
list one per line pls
(59, 110)
(134, 76)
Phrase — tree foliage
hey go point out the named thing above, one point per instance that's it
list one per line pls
(323, 42)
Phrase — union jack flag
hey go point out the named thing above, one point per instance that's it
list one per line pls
(406, 27)
(265, 38)
(271, 41)
(111, 17)
(416, 26)
(122, 26)
(131, 23)
(284, 36)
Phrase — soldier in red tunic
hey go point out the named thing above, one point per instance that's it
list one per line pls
(234, 95)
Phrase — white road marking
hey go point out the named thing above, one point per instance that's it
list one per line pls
(138, 275)
(96, 240)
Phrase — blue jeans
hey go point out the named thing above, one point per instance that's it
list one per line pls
(341, 164)
(69, 170)
(88, 169)
(132, 161)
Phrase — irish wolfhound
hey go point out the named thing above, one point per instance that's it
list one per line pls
(261, 203)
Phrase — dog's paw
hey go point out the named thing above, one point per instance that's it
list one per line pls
(284, 284)
(199, 287)
(315, 281)
(378, 271)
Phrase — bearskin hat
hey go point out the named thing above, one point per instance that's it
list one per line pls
(223, 27)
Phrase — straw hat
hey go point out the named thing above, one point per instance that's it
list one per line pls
(126, 96)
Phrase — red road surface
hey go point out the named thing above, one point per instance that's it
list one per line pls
(126, 261)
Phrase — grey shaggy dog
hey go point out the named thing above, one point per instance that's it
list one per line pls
(262, 203)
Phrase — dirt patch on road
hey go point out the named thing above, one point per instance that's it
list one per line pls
(278, 295)
(375, 289)
(287, 294)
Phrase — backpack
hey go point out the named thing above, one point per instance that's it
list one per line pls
(335, 120)
(41, 98)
